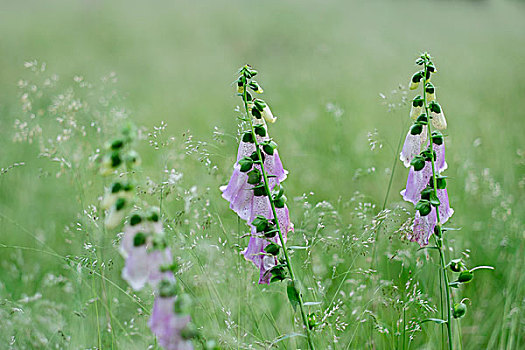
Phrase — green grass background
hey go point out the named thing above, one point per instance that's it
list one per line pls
(175, 61)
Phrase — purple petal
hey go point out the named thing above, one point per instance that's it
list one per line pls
(143, 264)
(412, 146)
(416, 182)
(423, 228)
(238, 192)
(445, 211)
(255, 253)
(257, 244)
(167, 326)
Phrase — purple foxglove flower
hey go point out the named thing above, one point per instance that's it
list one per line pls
(255, 250)
(423, 228)
(238, 191)
(143, 263)
(412, 146)
(167, 326)
(416, 182)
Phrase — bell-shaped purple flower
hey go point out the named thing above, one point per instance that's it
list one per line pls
(143, 262)
(417, 181)
(238, 191)
(248, 206)
(255, 250)
(167, 325)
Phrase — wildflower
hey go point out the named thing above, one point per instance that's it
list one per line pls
(412, 146)
(238, 191)
(117, 190)
(268, 115)
(116, 213)
(414, 82)
(419, 180)
(145, 260)
(438, 117)
(168, 326)
(416, 108)
(255, 252)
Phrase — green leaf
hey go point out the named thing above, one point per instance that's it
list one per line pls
(435, 320)
(293, 294)
(312, 303)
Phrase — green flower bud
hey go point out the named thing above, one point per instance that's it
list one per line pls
(417, 101)
(465, 276)
(422, 119)
(272, 248)
(416, 129)
(117, 144)
(312, 321)
(423, 206)
(246, 164)
(139, 239)
(259, 191)
(259, 104)
(418, 162)
(116, 187)
(425, 194)
(120, 203)
(460, 309)
(154, 214)
(260, 130)
(247, 137)
(182, 305)
(260, 223)
(115, 159)
(414, 82)
(167, 288)
(441, 182)
(269, 147)
(135, 219)
(280, 202)
(434, 200)
(456, 265)
(255, 157)
(256, 113)
(437, 137)
(255, 87)
(254, 177)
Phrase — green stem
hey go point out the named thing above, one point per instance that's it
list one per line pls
(440, 238)
(281, 238)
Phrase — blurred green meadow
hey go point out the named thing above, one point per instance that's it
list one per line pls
(335, 74)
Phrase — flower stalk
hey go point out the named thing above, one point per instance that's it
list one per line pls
(293, 292)
(438, 229)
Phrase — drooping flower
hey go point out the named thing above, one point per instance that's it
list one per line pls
(255, 250)
(412, 146)
(238, 191)
(247, 205)
(144, 261)
(417, 181)
(268, 115)
(167, 325)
